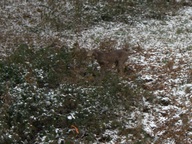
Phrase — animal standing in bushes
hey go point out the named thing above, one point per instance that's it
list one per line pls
(107, 60)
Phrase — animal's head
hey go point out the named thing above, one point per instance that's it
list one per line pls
(92, 53)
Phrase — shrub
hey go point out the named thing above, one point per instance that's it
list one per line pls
(46, 106)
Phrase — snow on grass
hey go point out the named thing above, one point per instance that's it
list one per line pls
(167, 60)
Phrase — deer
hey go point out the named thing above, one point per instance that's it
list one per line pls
(107, 60)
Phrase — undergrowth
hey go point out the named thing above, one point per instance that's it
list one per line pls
(53, 95)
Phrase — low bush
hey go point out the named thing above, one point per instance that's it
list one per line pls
(49, 102)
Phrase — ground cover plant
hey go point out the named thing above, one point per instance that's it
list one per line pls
(52, 92)
(42, 101)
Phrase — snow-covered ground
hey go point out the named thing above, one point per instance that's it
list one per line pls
(164, 62)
